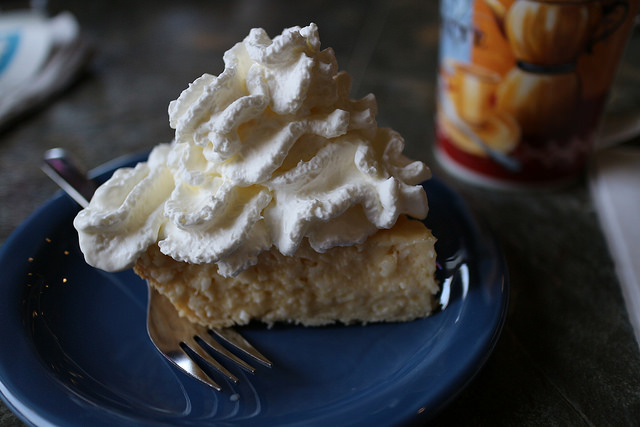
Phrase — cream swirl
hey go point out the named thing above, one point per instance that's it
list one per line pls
(269, 152)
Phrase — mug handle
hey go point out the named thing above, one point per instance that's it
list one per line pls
(620, 128)
(609, 27)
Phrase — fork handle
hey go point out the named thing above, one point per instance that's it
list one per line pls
(68, 175)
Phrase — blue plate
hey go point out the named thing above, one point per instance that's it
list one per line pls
(75, 350)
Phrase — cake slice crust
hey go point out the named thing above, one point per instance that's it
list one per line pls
(388, 278)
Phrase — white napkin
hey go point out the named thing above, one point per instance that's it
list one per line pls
(39, 56)
(615, 187)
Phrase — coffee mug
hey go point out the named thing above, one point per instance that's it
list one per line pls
(522, 86)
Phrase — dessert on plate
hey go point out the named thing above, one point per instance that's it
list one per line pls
(279, 200)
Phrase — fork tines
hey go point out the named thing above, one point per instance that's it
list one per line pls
(204, 343)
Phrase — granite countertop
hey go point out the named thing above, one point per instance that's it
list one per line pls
(567, 354)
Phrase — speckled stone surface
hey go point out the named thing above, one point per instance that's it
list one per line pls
(567, 355)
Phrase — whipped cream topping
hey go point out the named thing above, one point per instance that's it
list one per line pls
(270, 152)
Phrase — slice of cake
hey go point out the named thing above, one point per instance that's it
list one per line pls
(280, 199)
(389, 277)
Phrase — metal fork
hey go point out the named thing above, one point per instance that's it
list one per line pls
(187, 345)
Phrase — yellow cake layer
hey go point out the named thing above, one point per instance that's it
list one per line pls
(388, 278)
